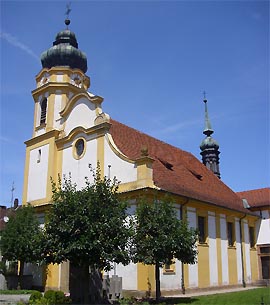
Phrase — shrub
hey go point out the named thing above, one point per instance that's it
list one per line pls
(50, 296)
(41, 301)
(56, 297)
(60, 297)
(35, 295)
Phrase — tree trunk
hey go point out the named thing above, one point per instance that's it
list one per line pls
(20, 279)
(157, 275)
(85, 285)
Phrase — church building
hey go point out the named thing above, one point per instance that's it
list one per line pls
(71, 131)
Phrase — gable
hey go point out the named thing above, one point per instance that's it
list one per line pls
(82, 109)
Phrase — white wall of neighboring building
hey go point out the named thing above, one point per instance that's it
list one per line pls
(82, 114)
(79, 169)
(264, 228)
(123, 170)
(38, 173)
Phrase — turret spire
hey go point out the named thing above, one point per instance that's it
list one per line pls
(207, 129)
(67, 21)
(209, 147)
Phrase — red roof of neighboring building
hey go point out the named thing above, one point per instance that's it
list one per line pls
(256, 198)
(175, 170)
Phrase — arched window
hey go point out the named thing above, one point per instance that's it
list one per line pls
(43, 112)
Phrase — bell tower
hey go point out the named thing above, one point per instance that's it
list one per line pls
(61, 86)
(63, 74)
(209, 147)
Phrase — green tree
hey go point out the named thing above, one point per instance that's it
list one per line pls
(87, 227)
(160, 237)
(22, 239)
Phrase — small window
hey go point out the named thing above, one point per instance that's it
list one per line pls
(230, 234)
(39, 156)
(251, 237)
(169, 268)
(43, 112)
(264, 250)
(79, 148)
(201, 228)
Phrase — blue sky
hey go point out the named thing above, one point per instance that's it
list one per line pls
(151, 61)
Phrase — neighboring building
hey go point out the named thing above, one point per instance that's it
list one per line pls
(71, 131)
(5, 214)
(259, 202)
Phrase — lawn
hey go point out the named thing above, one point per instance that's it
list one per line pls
(257, 296)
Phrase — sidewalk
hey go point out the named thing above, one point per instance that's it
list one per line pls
(12, 299)
(191, 293)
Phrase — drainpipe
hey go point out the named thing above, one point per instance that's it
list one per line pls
(242, 256)
(182, 264)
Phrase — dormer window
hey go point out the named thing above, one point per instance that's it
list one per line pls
(43, 112)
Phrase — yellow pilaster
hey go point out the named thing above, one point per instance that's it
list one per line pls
(232, 264)
(35, 117)
(50, 110)
(203, 266)
(145, 277)
(254, 265)
(52, 280)
(100, 153)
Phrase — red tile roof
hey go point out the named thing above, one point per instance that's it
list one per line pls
(256, 198)
(175, 170)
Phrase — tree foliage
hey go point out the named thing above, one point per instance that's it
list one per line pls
(22, 238)
(160, 237)
(87, 226)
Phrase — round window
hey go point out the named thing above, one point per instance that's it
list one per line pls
(79, 146)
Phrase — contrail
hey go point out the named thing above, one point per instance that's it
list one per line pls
(16, 43)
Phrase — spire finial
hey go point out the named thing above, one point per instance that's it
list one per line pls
(207, 129)
(204, 95)
(12, 193)
(68, 10)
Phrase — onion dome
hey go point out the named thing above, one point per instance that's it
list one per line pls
(64, 52)
(208, 143)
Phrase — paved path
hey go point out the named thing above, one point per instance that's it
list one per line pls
(12, 299)
(191, 293)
